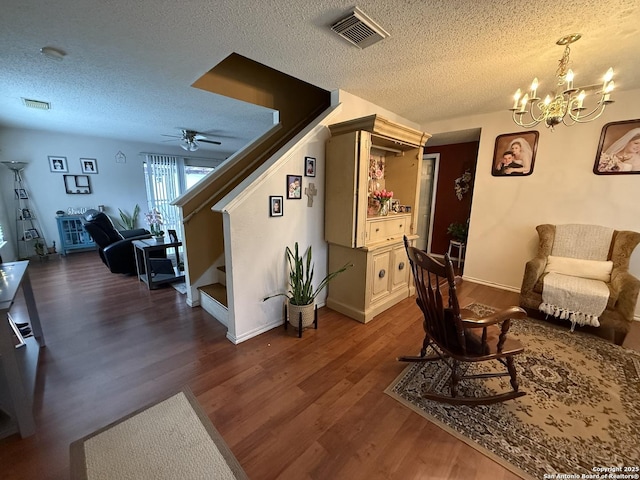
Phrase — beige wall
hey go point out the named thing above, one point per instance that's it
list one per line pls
(562, 189)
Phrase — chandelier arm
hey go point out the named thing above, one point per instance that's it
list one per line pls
(593, 115)
(518, 120)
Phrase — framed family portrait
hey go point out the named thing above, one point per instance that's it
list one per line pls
(294, 187)
(58, 164)
(619, 149)
(89, 165)
(514, 154)
(275, 206)
(309, 167)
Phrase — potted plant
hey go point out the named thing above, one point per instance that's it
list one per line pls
(459, 231)
(301, 295)
(129, 221)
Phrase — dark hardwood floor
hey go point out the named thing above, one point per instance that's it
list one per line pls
(289, 408)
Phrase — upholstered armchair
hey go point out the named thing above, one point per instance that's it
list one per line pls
(592, 247)
(114, 247)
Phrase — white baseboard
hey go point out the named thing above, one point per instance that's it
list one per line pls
(255, 332)
(490, 284)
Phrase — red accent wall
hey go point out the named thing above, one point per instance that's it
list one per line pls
(454, 161)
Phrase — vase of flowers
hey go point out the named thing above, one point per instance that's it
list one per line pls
(154, 219)
(384, 198)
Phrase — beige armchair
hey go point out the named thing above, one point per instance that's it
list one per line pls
(623, 287)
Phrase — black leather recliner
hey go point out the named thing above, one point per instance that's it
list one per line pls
(115, 247)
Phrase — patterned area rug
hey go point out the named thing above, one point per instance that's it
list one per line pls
(581, 412)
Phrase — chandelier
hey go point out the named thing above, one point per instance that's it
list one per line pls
(567, 103)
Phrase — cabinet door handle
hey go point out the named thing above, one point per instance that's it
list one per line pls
(377, 229)
(401, 266)
(400, 225)
(382, 273)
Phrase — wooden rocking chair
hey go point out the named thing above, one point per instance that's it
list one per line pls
(459, 336)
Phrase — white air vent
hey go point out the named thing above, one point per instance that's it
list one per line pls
(36, 104)
(359, 29)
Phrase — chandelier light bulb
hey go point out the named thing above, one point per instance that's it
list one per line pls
(569, 78)
(534, 87)
(547, 100)
(610, 87)
(516, 97)
(523, 102)
(581, 96)
(609, 75)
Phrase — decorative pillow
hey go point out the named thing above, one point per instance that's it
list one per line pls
(594, 269)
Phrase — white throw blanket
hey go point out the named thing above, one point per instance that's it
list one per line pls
(580, 300)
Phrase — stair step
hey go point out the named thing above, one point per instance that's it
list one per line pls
(217, 291)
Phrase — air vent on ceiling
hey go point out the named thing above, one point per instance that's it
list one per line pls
(359, 29)
(36, 104)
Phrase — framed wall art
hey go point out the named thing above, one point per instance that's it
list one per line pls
(514, 154)
(89, 165)
(294, 187)
(77, 184)
(619, 149)
(309, 167)
(275, 206)
(58, 164)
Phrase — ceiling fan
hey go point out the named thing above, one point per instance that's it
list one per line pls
(189, 139)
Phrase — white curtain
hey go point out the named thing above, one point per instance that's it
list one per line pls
(162, 178)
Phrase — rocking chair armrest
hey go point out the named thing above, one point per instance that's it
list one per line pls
(496, 317)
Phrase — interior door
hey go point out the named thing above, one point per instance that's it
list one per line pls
(430, 164)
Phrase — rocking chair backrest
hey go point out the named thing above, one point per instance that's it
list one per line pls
(442, 324)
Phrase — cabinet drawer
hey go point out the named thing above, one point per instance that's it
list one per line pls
(389, 228)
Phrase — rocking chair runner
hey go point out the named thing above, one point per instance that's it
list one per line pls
(460, 336)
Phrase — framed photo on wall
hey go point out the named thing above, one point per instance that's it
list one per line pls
(21, 193)
(58, 164)
(619, 149)
(514, 154)
(89, 165)
(294, 187)
(173, 235)
(275, 206)
(309, 167)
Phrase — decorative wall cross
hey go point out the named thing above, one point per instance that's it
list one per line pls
(310, 192)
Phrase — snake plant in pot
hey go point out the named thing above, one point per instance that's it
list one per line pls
(302, 294)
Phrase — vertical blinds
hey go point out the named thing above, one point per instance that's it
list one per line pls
(162, 183)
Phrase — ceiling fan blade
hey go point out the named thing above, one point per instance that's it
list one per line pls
(209, 141)
(172, 136)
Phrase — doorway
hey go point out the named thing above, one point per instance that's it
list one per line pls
(442, 205)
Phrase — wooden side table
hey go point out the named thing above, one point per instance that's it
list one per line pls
(156, 275)
(461, 247)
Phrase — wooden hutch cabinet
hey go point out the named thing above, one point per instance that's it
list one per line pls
(363, 156)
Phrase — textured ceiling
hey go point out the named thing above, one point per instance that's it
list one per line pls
(130, 64)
